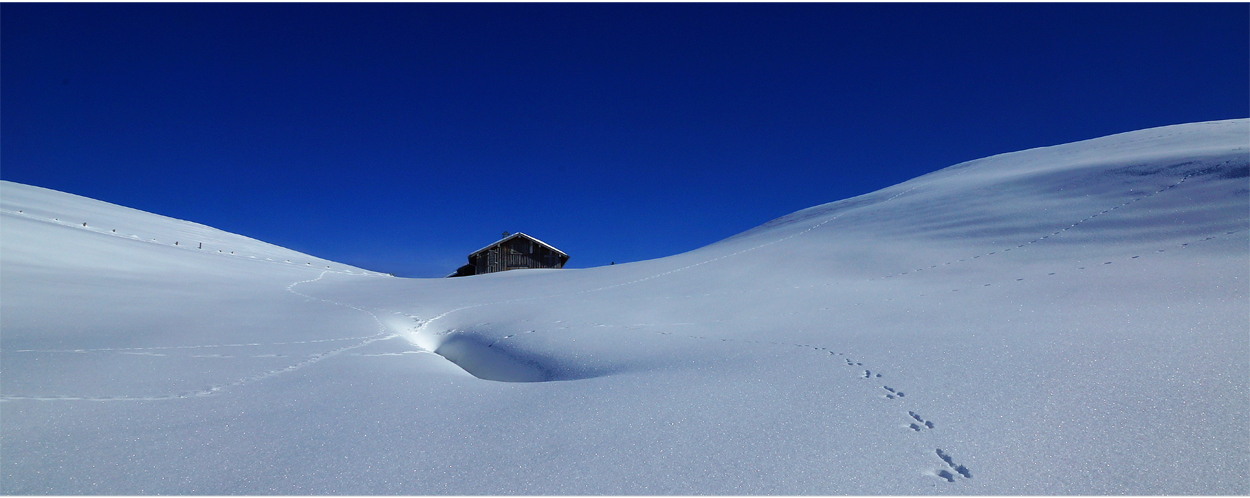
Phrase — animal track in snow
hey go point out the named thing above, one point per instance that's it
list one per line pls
(1130, 258)
(949, 465)
(194, 246)
(920, 423)
(891, 392)
(916, 423)
(1055, 233)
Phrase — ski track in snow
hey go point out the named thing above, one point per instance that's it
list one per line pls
(210, 390)
(946, 468)
(149, 351)
(205, 346)
(382, 332)
(381, 335)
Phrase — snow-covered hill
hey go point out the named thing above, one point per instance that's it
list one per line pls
(1071, 319)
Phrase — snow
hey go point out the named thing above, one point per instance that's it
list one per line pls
(1070, 320)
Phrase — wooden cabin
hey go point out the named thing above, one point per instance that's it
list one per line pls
(512, 252)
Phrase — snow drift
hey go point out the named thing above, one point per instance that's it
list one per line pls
(1063, 320)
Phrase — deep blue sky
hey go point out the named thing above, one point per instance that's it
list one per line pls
(400, 137)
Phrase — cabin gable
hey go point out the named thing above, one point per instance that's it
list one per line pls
(512, 252)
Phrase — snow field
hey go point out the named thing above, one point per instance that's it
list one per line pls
(1065, 320)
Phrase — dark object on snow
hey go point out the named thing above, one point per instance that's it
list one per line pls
(512, 252)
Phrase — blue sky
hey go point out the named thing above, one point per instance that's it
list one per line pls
(400, 137)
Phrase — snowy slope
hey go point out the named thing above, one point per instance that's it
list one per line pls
(1071, 319)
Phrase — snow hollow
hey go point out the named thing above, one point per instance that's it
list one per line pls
(1063, 320)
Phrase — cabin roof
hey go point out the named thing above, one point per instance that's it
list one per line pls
(513, 236)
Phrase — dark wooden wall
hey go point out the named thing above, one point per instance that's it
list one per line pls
(517, 253)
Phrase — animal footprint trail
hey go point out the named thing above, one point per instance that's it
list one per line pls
(1124, 259)
(196, 246)
(1056, 232)
(920, 423)
(949, 469)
